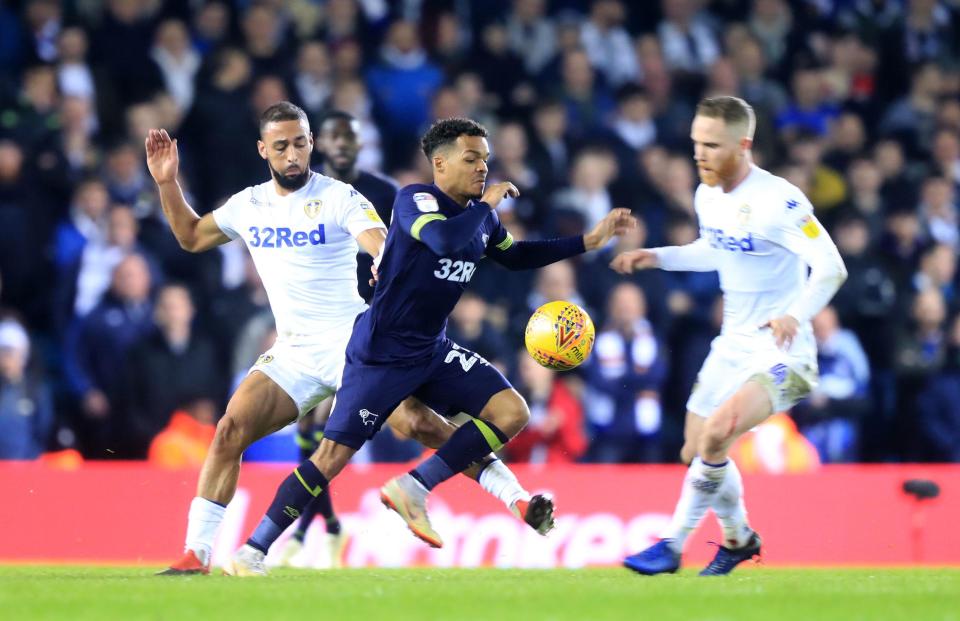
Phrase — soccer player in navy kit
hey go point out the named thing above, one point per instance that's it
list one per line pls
(399, 348)
(339, 143)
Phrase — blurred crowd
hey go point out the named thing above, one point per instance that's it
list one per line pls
(116, 343)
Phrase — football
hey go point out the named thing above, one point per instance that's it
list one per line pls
(560, 335)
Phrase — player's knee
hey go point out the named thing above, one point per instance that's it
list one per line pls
(718, 432)
(230, 437)
(516, 417)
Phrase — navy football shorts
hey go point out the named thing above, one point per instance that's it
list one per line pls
(455, 380)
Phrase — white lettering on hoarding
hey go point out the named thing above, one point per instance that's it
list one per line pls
(379, 538)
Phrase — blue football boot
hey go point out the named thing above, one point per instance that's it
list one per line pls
(657, 559)
(728, 558)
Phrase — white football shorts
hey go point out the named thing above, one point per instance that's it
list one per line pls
(730, 364)
(307, 371)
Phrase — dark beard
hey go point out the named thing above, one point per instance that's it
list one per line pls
(289, 183)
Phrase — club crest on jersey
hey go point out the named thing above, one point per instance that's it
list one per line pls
(368, 417)
(264, 359)
(312, 207)
(426, 202)
(743, 214)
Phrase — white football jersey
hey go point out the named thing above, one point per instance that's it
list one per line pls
(304, 247)
(761, 237)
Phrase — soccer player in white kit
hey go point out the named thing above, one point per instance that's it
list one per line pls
(302, 230)
(759, 232)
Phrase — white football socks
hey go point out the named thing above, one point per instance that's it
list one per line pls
(499, 481)
(731, 510)
(203, 520)
(700, 488)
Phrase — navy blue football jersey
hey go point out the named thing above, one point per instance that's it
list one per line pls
(417, 288)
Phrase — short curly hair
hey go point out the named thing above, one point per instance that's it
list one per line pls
(282, 111)
(446, 131)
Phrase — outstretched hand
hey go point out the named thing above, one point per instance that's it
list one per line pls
(617, 222)
(163, 158)
(632, 260)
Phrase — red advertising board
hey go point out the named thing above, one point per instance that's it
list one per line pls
(134, 513)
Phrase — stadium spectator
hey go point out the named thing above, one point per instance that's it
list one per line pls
(867, 302)
(864, 198)
(587, 201)
(86, 221)
(946, 155)
(623, 383)
(938, 409)
(75, 77)
(509, 161)
(550, 144)
(938, 212)
(826, 188)
(911, 119)
(920, 354)
(177, 61)
(470, 327)
(689, 44)
(555, 432)
(76, 149)
(586, 99)
(26, 408)
(902, 244)
(500, 69)
(401, 85)
(632, 124)
(171, 366)
(608, 44)
(312, 81)
(44, 19)
(531, 34)
(90, 275)
(24, 210)
(831, 417)
(265, 37)
(808, 109)
(96, 356)
(767, 96)
(184, 442)
(221, 126)
(121, 45)
(210, 26)
(938, 270)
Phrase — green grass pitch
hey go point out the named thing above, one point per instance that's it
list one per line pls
(78, 593)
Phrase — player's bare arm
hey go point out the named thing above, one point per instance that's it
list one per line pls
(194, 233)
(617, 222)
(372, 242)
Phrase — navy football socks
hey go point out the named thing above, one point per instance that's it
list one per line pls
(303, 485)
(322, 505)
(469, 443)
